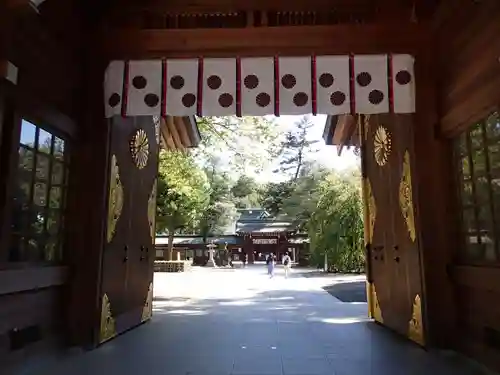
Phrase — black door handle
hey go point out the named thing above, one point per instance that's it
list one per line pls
(396, 259)
(142, 253)
(125, 258)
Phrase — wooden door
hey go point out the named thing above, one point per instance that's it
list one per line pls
(127, 266)
(377, 224)
(143, 221)
(396, 278)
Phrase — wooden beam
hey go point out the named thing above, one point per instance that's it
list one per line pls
(347, 127)
(20, 280)
(354, 140)
(264, 41)
(194, 138)
(339, 135)
(339, 129)
(446, 11)
(24, 5)
(168, 141)
(181, 129)
(18, 4)
(393, 8)
(169, 121)
(166, 136)
(221, 6)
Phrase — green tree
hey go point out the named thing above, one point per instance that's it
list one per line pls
(245, 144)
(294, 148)
(220, 211)
(274, 196)
(183, 193)
(246, 192)
(327, 205)
(303, 198)
(336, 226)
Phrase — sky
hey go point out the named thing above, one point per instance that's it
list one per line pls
(326, 156)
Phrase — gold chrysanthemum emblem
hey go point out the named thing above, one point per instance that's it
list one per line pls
(139, 148)
(382, 145)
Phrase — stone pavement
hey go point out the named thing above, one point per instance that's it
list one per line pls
(221, 322)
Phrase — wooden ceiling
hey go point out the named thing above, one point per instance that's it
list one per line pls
(154, 14)
(161, 14)
(344, 131)
(141, 29)
(179, 133)
(138, 29)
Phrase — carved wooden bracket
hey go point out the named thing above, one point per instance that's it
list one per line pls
(24, 4)
(8, 71)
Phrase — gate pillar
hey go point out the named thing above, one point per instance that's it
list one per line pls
(113, 181)
(86, 211)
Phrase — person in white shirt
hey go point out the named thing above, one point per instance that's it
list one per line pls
(270, 262)
(287, 262)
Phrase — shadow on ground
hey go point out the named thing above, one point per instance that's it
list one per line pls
(278, 327)
(354, 291)
(312, 272)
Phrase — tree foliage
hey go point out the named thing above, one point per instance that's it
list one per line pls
(199, 192)
(274, 195)
(327, 206)
(183, 193)
(336, 226)
(246, 192)
(221, 210)
(246, 144)
(294, 147)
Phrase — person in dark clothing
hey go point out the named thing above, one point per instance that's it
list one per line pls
(244, 259)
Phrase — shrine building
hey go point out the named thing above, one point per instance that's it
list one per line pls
(262, 235)
(256, 234)
(90, 90)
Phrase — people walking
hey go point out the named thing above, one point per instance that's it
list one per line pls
(270, 261)
(287, 263)
(244, 259)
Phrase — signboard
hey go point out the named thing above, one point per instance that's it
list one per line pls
(264, 241)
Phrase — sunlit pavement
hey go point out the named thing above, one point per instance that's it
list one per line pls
(239, 321)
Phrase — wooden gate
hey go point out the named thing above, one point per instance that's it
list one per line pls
(394, 284)
(128, 259)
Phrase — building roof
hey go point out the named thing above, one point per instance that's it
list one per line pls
(264, 226)
(198, 240)
(253, 214)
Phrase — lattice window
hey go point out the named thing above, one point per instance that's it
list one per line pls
(478, 159)
(39, 197)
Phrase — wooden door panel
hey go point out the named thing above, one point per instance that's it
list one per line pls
(378, 201)
(409, 283)
(142, 222)
(391, 185)
(116, 254)
(398, 134)
(128, 259)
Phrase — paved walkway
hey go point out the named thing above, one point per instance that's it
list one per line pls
(220, 322)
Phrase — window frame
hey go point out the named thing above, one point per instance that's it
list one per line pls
(12, 180)
(489, 205)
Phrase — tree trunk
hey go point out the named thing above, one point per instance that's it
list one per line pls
(170, 244)
(299, 165)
